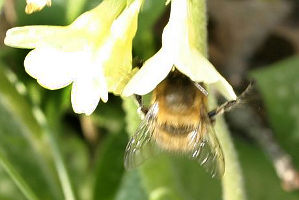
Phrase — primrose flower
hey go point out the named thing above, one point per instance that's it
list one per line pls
(36, 5)
(93, 53)
(179, 52)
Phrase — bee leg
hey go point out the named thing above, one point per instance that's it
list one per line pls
(142, 110)
(227, 106)
(201, 88)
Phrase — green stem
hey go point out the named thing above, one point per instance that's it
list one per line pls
(58, 160)
(19, 181)
(197, 15)
(232, 181)
(1, 4)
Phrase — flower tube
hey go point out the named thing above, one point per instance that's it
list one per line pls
(179, 52)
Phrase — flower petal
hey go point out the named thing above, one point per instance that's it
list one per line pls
(87, 91)
(94, 25)
(190, 62)
(150, 75)
(225, 89)
(30, 37)
(118, 64)
(53, 69)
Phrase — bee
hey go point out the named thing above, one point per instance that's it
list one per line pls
(178, 122)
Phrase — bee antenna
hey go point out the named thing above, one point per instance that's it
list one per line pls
(246, 91)
(201, 88)
(227, 106)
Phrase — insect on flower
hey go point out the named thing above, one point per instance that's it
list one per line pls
(178, 122)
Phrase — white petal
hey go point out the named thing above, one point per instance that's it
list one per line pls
(116, 52)
(87, 91)
(176, 31)
(225, 89)
(53, 69)
(176, 39)
(30, 37)
(190, 62)
(150, 75)
(126, 23)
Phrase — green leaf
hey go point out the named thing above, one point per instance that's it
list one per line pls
(76, 154)
(68, 191)
(110, 168)
(33, 140)
(28, 193)
(195, 181)
(24, 150)
(278, 85)
(261, 179)
(1, 4)
(279, 88)
(92, 4)
(55, 104)
(110, 116)
(145, 37)
(54, 15)
(131, 187)
(74, 9)
(8, 189)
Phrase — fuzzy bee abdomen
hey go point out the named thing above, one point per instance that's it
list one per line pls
(176, 137)
(180, 130)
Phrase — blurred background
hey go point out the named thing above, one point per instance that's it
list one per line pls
(249, 40)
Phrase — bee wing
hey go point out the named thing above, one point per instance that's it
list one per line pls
(139, 147)
(207, 150)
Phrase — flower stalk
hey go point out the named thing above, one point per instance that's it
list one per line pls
(232, 181)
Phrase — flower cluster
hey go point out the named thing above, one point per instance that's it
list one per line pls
(94, 53)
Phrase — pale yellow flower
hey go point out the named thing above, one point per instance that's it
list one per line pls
(177, 51)
(36, 5)
(93, 53)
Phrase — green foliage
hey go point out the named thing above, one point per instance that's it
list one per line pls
(54, 160)
(109, 168)
(1, 4)
(23, 148)
(130, 187)
(54, 15)
(145, 41)
(74, 9)
(279, 87)
(261, 180)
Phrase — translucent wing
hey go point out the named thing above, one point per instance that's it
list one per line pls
(206, 148)
(139, 147)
